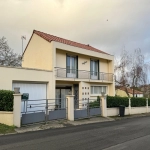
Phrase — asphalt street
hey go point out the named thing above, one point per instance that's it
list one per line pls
(126, 134)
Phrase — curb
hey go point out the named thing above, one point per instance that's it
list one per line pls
(130, 117)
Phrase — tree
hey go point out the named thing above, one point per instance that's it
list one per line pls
(131, 70)
(121, 75)
(7, 56)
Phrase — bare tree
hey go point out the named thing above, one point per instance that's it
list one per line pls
(138, 70)
(7, 56)
(121, 74)
(131, 70)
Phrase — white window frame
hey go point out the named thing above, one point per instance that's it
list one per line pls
(99, 94)
(72, 71)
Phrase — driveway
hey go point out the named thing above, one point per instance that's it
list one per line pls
(115, 135)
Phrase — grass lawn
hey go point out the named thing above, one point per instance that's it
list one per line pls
(6, 129)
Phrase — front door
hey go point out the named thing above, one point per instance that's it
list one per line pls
(61, 96)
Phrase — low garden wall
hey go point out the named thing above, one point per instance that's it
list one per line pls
(6, 107)
(115, 111)
(132, 105)
(134, 110)
(6, 117)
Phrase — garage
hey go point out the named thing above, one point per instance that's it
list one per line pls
(37, 91)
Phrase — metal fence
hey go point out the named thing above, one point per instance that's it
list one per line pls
(43, 110)
(82, 74)
(87, 108)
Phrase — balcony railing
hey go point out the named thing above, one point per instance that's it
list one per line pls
(82, 74)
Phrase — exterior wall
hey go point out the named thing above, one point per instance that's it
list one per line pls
(115, 111)
(81, 51)
(138, 110)
(38, 54)
(6, 118)
(139, 95)
(85, 88)
(111, 66)
(122, 93)
(134, 110)
(61, 61)
(9, 75)
(104, 67)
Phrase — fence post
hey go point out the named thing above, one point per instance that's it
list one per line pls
(146, 105)
(129, 106)
(88, 108)
(46, 118)
(17, 110)
(70, 107)
(103, 106)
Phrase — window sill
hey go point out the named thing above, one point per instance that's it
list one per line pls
(93, 95)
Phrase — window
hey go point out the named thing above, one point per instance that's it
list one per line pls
(71, 66)
(98, 89)
(94, 69)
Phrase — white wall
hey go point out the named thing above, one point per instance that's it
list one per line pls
(115, 111)
(8, 75)
(134, 110)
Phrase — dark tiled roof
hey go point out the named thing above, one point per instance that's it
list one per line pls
(50, 38)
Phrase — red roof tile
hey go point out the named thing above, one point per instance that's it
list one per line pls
(131, 90)
(50, 38)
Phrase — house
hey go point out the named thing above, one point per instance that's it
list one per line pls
(120, 91)
(52, 69)
(146, 90)
(75, 68)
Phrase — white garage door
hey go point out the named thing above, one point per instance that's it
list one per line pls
(36, 92)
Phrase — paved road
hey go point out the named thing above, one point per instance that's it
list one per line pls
(127, 134)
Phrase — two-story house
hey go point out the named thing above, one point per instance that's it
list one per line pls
(77, 68)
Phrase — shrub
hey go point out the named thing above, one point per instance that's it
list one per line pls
(149, 102)
(6, 100)
(114, 101)
(138, 101)
(98, 99)
(95, 103)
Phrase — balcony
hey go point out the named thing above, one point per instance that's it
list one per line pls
(82, 74)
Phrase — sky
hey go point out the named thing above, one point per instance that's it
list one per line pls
(109, 25)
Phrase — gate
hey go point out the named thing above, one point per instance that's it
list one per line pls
(87, 108)
(43, 110)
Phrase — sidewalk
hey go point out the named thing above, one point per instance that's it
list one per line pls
(61, 124)
(66, 123)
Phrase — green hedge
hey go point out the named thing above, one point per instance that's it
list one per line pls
(117, 101)
(149, 102)
(94, 104)
(138, 101)
(114, 101)
(6, 100)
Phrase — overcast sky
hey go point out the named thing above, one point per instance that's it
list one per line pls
(108, 25)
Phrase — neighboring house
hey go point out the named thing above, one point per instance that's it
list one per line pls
(121, 92)
(77, 68)
(146, 90)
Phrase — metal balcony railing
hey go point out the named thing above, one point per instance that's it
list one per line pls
(82, 74)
